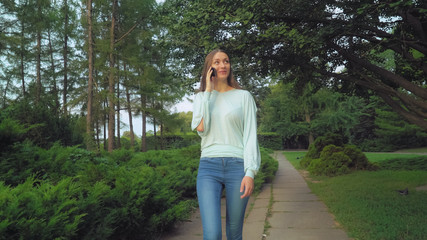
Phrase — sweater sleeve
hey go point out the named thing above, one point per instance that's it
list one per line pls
(251, 152)
(201, 111)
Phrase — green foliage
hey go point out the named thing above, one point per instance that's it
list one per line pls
(10, 132)
(45, 126)
(19, 163)
(394, 131)
(359, 161)
(391, 132)
(267, 171)
(270, 140)
(72, 193)
(40, 210)
(172, 141)
(321, 142)
(329, 156)
(333, 161)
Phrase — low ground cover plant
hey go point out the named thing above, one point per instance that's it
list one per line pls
(71, 193)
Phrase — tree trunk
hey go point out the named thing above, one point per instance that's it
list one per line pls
(22, 59)
(5, 92)
(144, 124)
(105, 119)
(98, 144)
(52, 66)
(155, 133)
(118, 113)
(89, 127)
(310, 134)
(162, 140)
(128, 106)
(111, 81)
(38, 66)
(65, 57)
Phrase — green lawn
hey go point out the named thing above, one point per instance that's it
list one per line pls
(414, 150)
(367, 204)
(378, 157)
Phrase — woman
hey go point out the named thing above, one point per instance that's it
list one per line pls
(225, 118)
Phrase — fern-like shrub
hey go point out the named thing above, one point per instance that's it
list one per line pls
(71, 193)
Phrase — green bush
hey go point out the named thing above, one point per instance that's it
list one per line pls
(40, 210)
(321, 142)
(359, 161)
(331, 163)
(20, 162)
(337, 160)
(267, 169)
(71, 193)
(11, 131)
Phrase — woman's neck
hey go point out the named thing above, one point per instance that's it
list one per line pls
(222, 86)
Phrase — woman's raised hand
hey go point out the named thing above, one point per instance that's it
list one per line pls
(209, 81)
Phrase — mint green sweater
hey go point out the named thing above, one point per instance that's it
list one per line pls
(230, 128)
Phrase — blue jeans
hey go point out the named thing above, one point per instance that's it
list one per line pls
(214, 174)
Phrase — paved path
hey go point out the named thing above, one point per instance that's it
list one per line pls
(296, 213)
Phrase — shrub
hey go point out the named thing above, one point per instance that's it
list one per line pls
(330, 164)
(359, 161)
(19, 163)
(11, 131)
(77, 194)
(267, 169)
(337, 160)
(323, 141)
(318, 145)
(40, 210)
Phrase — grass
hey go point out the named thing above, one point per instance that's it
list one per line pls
(267, 224)
(379, 157)
(414, 150)
(367, 204)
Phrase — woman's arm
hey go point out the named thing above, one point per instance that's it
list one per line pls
(201, 107)
(200, 128)
(251, 153)
(201, 114)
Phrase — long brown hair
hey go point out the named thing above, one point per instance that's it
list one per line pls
(231, 81)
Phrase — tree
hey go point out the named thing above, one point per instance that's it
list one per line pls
(89, 124)
(313, 113)
(282, 36)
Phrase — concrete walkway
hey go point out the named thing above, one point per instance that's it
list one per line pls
(296, 213)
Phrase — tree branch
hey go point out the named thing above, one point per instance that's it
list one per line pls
(129, 31)
(412, 118)
(400, 81)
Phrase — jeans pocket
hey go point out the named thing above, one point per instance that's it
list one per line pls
(238, 160)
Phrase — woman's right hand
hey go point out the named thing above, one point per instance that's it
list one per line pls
(209, 81)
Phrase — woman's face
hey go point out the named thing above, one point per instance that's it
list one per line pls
(221, 63)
